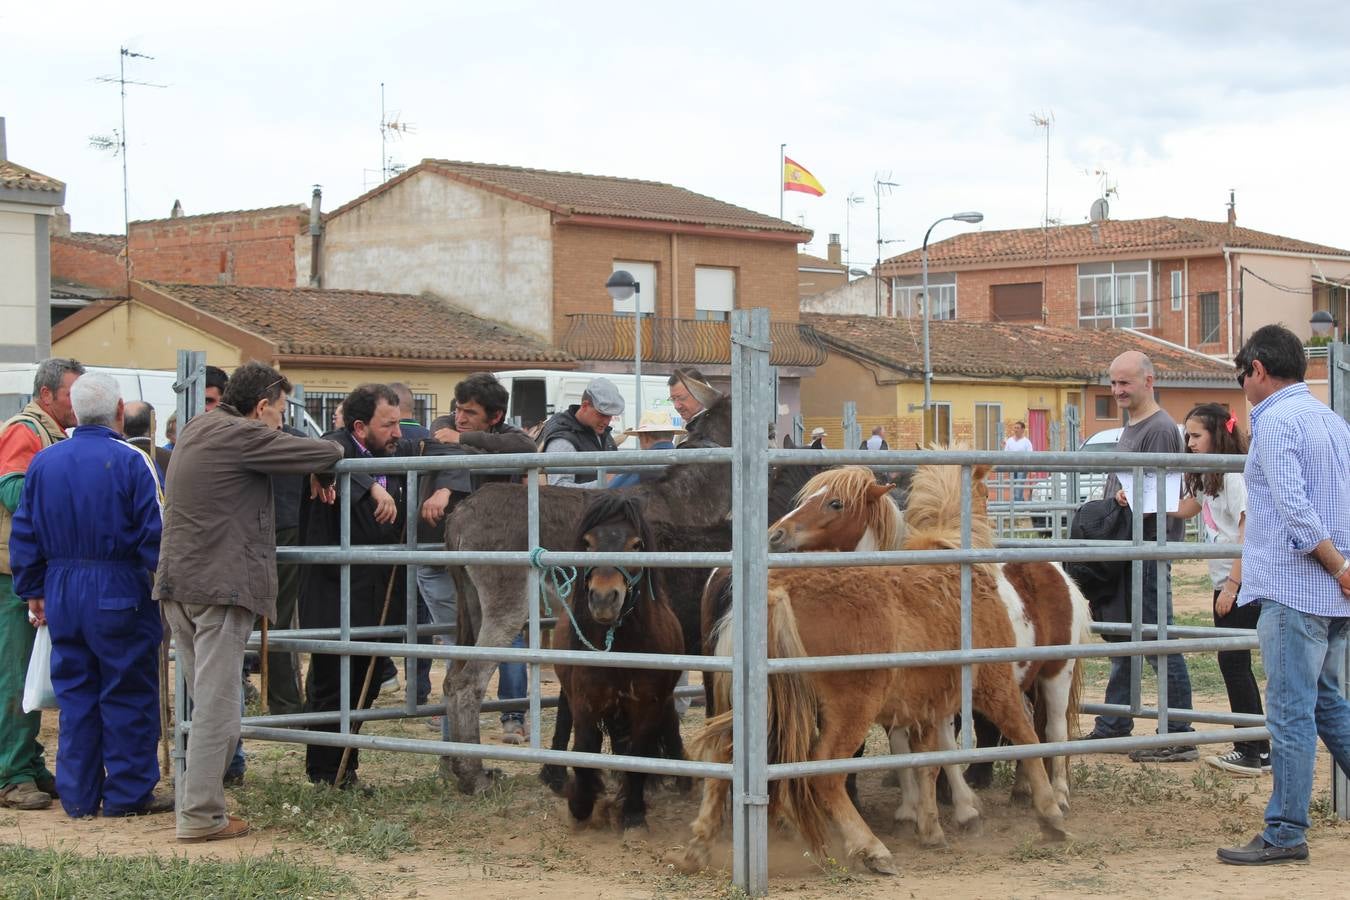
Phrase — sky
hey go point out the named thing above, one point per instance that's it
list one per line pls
(1176, 102)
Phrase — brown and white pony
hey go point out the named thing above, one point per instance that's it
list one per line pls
(824, 715)
(1045, 607)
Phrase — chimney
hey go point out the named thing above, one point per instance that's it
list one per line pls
(315, 236)
(1232, 208)
(834, 251)
(4, 154)
(59, 223)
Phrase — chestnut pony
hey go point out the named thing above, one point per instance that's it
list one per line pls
(1044, 605)
(823, 715)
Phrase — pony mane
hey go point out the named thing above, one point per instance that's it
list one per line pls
(850, 484)
(934, 511)
(611, 506)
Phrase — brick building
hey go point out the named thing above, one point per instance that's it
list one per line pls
(988, 374)
(1202, 285)
(252, 247)
(819, 276)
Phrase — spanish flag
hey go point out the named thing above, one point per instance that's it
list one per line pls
(797, 178)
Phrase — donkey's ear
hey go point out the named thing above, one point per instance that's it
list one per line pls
(703, 392)
(874, 491)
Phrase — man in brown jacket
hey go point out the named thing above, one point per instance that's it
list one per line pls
(217, 568)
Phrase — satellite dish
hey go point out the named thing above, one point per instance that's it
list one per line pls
(1100, 210)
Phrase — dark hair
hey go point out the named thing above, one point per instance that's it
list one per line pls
(484, 389)
(136, 417)
(251, 383)
(1020, 422)
(1215, 418)
(442, 422)
(216, 378)
(687, 372)
(50, 373)
(405, 397)
(1278, 349)
(359, 405)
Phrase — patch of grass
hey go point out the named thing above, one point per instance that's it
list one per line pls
(1032, 849)
(1139, 786)
(836, 873)
(52, 873)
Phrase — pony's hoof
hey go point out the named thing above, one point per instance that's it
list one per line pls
(881, 863)
(479, 782)
(555, 777)
(693, 860)
(935, 841)
(1054, 832)
(972, 826)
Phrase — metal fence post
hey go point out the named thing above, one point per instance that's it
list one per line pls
(852, 432)
(967, 628)
(410, 595)
(750, 680)
(190, 385)
(1162, 595)
(1338, 390)
(345, 604)
(532, 592)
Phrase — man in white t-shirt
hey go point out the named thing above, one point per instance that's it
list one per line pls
(1019, 442)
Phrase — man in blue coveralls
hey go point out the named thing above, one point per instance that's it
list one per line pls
(84, 542)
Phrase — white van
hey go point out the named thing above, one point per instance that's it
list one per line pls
(537, 394)
(154, 386)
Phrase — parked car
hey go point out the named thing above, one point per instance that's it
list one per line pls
(1090, 484)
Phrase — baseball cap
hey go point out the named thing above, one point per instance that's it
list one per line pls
(605, 397)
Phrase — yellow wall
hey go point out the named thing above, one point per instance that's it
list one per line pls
(841, 379)
(136, 337)
(338, 380)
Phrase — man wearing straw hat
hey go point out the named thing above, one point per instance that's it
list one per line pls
(654, 432)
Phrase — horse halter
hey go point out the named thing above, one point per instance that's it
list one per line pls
(631, 581)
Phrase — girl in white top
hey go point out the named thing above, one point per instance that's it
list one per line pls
(1220, 499)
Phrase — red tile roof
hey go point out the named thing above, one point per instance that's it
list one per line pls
(807, 261)
(1004, 350)
(307, 322)
(1125, 238)
(106, 243)
(575, 194)
(19, 178)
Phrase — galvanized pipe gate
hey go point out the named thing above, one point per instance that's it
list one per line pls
(749, 559)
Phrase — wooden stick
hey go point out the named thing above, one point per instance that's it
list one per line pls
(370, 673)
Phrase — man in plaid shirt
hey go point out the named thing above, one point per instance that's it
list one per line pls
(1294, 563)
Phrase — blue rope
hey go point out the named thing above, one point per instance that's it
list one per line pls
(564, 579)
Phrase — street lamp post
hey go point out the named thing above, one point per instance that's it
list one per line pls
(1324, 323)
(621, 286)
(972, 218)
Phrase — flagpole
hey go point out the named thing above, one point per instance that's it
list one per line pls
(782, 156)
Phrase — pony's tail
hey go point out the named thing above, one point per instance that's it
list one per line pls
(793, 710)
(933, 516)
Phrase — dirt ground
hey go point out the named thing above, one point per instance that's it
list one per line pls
(1137, 831)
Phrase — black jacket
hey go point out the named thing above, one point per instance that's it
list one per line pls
(321, 526)
(1105, 583)
(583, 438)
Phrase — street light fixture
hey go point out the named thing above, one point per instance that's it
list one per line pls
(621, 286)
(972, 218)
(1323, 323)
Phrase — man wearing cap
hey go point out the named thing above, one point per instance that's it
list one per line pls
(583, 427)
(656, 432)
(817, 438)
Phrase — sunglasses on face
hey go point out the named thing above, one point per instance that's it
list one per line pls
(1242, 376)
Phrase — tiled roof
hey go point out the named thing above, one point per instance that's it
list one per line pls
(807, 261)
(1003, 350)
(18, 178)
(293, 208)
(574, 194)
(107, 243)
(306, 322)
(1127, 237)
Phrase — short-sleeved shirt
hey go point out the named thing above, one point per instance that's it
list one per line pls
(1221, 517)
(1156, 434)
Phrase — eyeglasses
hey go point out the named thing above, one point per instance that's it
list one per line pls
(1242, 376)
(268, 390)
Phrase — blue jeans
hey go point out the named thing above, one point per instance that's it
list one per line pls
(1302, 655)
(1178, 676)
(437, 588)
(511, 684)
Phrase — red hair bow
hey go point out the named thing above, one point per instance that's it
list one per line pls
(1232, 420)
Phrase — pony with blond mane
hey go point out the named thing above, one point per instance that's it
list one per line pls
(824, 715)
(842, 509)
(1044, 605)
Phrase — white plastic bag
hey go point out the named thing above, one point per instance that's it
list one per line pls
(37, 689)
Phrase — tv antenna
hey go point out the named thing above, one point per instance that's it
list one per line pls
(116, 143)
(881, 185)
(1047, 122)
(1100, 210)
(390, 129)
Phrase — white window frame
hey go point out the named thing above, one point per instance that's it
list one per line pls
(639, 269)
(1109, 281)
(1177, 290)
(711, 301)
(909, 293)
(931, 415)
(992, 429)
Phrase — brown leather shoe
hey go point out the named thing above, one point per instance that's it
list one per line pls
(235, 827)
(24, 795)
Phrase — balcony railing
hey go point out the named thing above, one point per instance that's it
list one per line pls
(606, 337)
